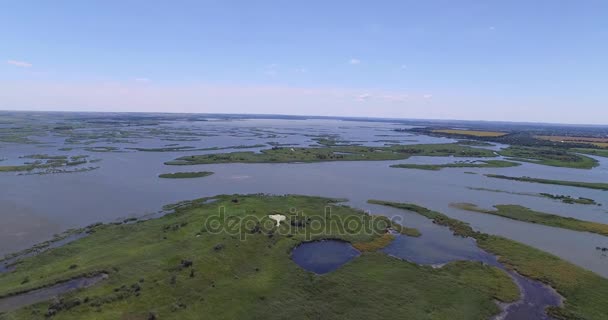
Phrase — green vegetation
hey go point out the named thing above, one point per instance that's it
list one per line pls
(50, 163)
(190, 148)
(102, 149)
(569, 199)
(175, 267)
(185, 175)
(584, 291)
(593, 152)
(376, 244)
(589, 185)
(472, 133)
(459, 164)
(562, 198)
(458, 227)
(524, 214)
(475, 143)
(346, 153)
(549, 156)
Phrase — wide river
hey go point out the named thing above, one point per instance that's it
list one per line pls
(34, 207)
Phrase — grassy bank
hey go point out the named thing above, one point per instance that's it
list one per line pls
(549, 156)
(179, 267)
(593, 152)
(524, 214)
(579, 184)
(185, 175)
(343, 153)
(569, 199)
(191, 148)
(476, 164)
(584, 291)
(472, 133)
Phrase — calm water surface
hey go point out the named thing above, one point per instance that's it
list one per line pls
(35, 207)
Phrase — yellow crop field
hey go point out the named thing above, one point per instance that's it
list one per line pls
(600, 142)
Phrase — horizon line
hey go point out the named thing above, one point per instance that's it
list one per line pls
(275, 115)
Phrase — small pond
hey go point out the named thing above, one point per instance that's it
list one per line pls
(323, 256)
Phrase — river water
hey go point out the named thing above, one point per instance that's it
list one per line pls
(34, 207)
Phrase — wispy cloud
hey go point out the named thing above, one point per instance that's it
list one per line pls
(142, 80)
(427, 96)
(21, 64)
(364, 97)
(354, 61)
(403, 66)
(491, 28)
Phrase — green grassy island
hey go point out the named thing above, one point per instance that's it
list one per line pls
(519, 213)
(589, 185)
(549, 156)
(185, 175)
(585, 292)
(476, 164)
(178, 267)
(569, 199)
(342, 153)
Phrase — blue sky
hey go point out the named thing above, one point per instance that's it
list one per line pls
(490, 60)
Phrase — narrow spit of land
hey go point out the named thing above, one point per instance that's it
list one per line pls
(579, 184)
(460, 164)
(520, 213)
(185, 175)
(585, 292)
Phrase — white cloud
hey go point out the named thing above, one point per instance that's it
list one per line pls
(21, 64)
(142, 80)
(427, 96)
(364, 97)
(354, 61)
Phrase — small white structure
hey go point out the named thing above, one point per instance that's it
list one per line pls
(278, 218)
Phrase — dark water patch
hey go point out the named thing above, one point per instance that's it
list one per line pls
(43, 294)
(535, 298)
(323, 256)
(423, 251)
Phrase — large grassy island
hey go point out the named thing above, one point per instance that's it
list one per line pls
(341, 153)
(175, 267)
